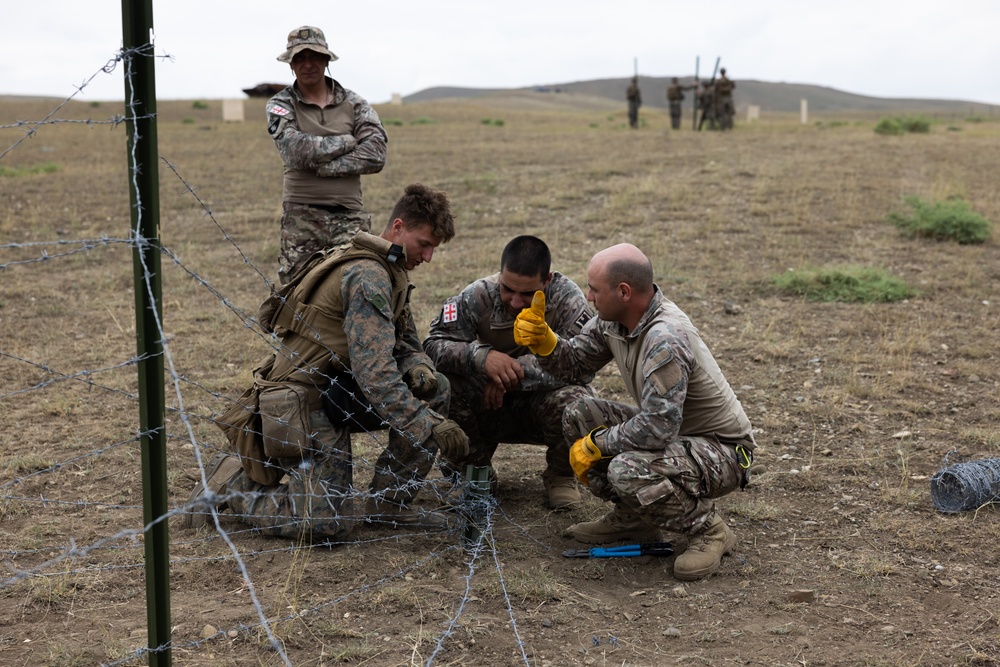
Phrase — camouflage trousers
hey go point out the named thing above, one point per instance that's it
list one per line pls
(675, 115)
(725, 112)
(315, 498)
(633, 115)
(529, 417)
(671, 487)
(306, 229)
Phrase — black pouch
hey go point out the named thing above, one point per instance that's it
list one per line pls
(345, 405)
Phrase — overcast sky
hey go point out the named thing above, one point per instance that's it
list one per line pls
(883, 48)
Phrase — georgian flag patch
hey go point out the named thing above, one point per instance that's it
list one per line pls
(278, 110)
(450, 312)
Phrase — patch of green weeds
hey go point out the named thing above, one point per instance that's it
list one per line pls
(392, 121)
(188, 121)
(198, 104)
(903, 125)
(948, 220)
(14, 172)
(851, 284)
(423, 120)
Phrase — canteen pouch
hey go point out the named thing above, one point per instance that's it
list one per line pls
(284, 418)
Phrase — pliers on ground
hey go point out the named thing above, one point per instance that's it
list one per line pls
(624, 551)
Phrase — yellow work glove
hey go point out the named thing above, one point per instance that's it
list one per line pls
(584, 454)
(421, 380)
(531, 330)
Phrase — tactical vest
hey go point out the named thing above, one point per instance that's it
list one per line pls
(288, 310)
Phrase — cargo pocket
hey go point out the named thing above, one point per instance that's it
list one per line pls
(284, 421)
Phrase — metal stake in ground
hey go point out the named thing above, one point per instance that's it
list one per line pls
(475, 503)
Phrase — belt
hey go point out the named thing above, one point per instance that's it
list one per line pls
(329, 209)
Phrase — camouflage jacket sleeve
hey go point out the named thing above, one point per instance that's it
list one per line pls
(299, 150)
(453, 341)
(368, 157)
(566, 311)
(580, 357)
(373, 347)
(666, 364)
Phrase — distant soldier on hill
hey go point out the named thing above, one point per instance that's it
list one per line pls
(724, 100)
(706, 101)
(675, 95)
(634, 98)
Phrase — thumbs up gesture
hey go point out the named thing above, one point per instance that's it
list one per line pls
(531, 330)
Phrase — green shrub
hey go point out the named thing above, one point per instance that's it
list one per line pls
(951, 219)
(852, 284)
(95, 104)
(423, 120)
(889, 126)
(498, 122)
(486, 121)
(188, 121)
(903, 124)
(916, 124)
(14, 172)
(392, 121)
(198, 104)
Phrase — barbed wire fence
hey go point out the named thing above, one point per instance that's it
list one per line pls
(69, 534)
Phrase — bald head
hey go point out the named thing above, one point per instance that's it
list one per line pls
(624, 263)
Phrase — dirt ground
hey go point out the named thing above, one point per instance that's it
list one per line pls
(842, 558)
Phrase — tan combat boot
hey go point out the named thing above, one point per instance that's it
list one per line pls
(617, 525)
(385, 513)
(705, 550)
(561, 492)
(218, 473)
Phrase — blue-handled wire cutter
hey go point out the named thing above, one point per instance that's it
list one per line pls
(624, 551)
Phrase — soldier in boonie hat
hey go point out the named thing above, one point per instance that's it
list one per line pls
(306, 38)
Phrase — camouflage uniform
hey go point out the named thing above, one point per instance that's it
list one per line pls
(687, 442)
(675, 96)
(706, 101)
(368, 335)
(724, 101)
(325, 152)
(634, 98)
(477, 321)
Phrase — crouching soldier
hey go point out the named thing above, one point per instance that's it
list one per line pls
(688, 441)
(350, 360)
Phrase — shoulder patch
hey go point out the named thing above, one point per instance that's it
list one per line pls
(278, 110)
(583, 319)
(666, 377)
(449, 312)
(378, 301)
(272, 127)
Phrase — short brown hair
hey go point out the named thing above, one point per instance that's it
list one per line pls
(638, 275)
(422, 205)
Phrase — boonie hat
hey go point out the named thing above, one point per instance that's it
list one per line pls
(306, 38)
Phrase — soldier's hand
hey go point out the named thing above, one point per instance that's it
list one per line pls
(584, 454)
(451, 440)
(493, 396)
(421, 380)
(531, 330)
(503, 369)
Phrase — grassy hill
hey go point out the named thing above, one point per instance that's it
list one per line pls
(770, 96)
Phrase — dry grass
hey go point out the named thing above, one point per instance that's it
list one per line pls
(828, 385)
